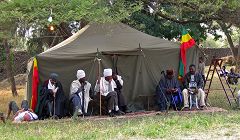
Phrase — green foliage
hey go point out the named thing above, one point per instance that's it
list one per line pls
(20, 16)
(159, 27)
(198, 16)
(37, 11)
(212, 43)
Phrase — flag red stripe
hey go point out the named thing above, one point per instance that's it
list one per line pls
(183, 48)
(35, 82)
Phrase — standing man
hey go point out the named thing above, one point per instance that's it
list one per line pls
(119, 83)
(80, 91)
(201, 67)
(193, 81)
(168, 91)
(106, 87)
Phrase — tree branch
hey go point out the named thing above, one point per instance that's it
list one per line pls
(186, 21)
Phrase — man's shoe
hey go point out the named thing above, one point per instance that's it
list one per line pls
(111, 114)
(86, 114)
(203, 107)
(55, 117)
(128, 111)
(185, 109)
(119, 113)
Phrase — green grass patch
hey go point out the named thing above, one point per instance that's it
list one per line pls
(159, 126)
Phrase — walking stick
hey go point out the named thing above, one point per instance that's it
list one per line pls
(83, 102)
(100, 98)
(54, 104)
(168, 104)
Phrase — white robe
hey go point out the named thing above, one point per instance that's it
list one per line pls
(74, 88)
(20, 116)
(103, 86)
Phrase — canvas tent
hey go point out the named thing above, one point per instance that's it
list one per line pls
(139, 58)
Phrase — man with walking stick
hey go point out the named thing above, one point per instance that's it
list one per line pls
(168, 91)
(52, 102)
(106, 87)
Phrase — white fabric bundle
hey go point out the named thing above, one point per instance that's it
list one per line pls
(52, 87)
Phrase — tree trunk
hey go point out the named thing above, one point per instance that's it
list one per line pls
(235, 50)
(9, 68)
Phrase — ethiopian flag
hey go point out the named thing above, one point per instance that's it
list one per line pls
(35, 82)
(186, 42)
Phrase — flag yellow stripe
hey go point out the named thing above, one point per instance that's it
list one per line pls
(186, 38)
(34, 62)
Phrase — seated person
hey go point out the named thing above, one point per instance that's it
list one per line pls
(52, 99)
(232, 77)
(168, 92)
(106, 86)
(193, 82)
(23, 114)
(80, 90)
(223, 72)
(119, 83)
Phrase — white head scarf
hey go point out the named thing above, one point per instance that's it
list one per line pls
(107, 72)
(80, 74)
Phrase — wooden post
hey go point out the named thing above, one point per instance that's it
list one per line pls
(100, 97)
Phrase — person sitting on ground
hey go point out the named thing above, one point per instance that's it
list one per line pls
(106, 87)
(223, 71)
(13, 107)
(23, 114)
(119, 84)
(80, 91)
(52, 99)
(232, 77)
(193, 81)
(168, 92)
(201, 67)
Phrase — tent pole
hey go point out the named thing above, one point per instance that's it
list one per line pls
(100, 98)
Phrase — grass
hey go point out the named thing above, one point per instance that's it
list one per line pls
(222, 125)
(171, 126)
(6, 97)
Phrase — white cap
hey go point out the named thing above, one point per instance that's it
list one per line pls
(107, 72)
(80, 74)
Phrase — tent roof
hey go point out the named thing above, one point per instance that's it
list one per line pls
(107, 38)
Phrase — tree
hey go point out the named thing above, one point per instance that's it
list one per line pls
(204, 15)
(18, 17)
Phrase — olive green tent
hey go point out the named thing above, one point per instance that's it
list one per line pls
(139, 58)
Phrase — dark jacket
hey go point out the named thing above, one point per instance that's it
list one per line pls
(166, 83)
(46, 96)
(197, 77)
